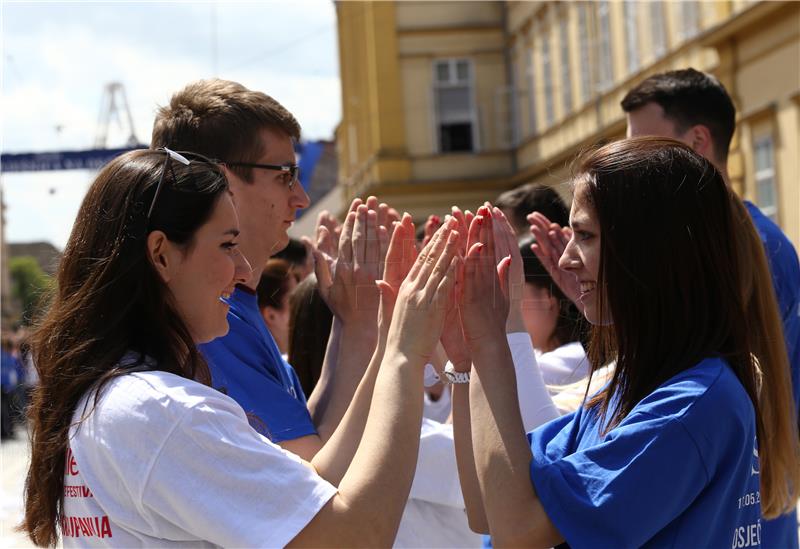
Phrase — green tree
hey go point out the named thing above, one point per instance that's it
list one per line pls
(29, 284)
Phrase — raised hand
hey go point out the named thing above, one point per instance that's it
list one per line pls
(425, 296)
(431, 226)
(455, 347)
(484, 302)
(352, 295)
(506, 246)
(400, 257)
(551, 240)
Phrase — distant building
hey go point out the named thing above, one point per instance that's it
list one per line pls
(9, 307)
(453, 102)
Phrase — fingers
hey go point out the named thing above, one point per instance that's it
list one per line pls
(383, 214)
(372, 245)
(345, 239)
(401, 252)
(359, 238)
(445, 256)
(430, 253)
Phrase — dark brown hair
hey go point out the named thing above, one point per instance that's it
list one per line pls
(529, 198)
(109, 301)
(273, 286)
(689, 97)
(684, 280)
(309, 329)
(223, 120)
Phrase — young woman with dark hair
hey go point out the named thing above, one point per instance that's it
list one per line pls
(673, 451)
(131, 447)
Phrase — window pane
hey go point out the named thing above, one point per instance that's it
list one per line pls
(566, 81)
(455, 137)
(462, 71)
(453, 104)
(657, 28)
(586, 69)
(443, 71)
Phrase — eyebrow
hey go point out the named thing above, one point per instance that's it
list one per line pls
(577, 223)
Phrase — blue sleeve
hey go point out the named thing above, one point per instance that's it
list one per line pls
(254, 375)
(622, 491)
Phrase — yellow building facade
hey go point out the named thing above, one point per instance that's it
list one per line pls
(453, 102)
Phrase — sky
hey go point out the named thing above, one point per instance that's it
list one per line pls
(57, 58)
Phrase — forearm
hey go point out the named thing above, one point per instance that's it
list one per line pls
(320, 397)
(502, 455)
(465, 459)
(353, 349)
(332, 461)
(379, 468)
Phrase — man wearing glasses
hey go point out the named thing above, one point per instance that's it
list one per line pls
(253, 137)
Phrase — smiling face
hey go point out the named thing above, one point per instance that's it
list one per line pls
(582, 255)
(206, 271)
(267, 205)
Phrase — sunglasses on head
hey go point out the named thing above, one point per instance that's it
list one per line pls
(185, 158)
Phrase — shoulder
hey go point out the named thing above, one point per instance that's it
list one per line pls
(779, 248)
(708, 401)
(151, 401)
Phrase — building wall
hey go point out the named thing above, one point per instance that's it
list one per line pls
(543, 90)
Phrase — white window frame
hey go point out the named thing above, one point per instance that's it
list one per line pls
(566, 66)
(454, 82)
(658, 29)
(605, 75)
(547, 77)
(764, 174)
(690, 18)
(585, 55)
(630, 8)
(530, 71)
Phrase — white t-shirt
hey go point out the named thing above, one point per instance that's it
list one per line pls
(165, 461)
(564, 365)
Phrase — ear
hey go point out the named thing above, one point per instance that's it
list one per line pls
(161, 254)
(699, 138)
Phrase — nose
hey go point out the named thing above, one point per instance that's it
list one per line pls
(242, 269)
(569, 260)
(301, 199)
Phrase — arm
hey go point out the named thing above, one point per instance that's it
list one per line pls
(501, 454)
(334, 458)
(353, 298)
(380, 475)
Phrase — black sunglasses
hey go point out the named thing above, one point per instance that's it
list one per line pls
(292, 169)
(185, 158)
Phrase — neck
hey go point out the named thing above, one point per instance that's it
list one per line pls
(257, 259)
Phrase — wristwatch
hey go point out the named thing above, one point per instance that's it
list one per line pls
(452, 376)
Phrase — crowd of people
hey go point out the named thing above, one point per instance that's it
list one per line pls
(621, 372)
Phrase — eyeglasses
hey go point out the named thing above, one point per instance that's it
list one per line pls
(292, 170)
(193, 158)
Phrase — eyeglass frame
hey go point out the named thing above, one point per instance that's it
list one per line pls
(177, 156)
(291, 169)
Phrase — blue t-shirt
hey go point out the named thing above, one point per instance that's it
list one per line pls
(785, 268)
(247, 365)
(681, 470)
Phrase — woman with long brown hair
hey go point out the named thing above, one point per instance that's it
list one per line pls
(675, 450)
(131, 447)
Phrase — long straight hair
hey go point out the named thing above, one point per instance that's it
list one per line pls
(109, 301)
(686, 278)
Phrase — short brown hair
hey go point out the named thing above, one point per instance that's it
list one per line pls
(689, 97)
(221, 119)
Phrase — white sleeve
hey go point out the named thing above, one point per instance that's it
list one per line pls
(564, 365)
(219, 480)
(535, 403)
(436, 477)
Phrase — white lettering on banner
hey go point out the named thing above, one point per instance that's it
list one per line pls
(88, 527)
(747, 536)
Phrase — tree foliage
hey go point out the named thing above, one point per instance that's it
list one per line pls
(29, 285)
